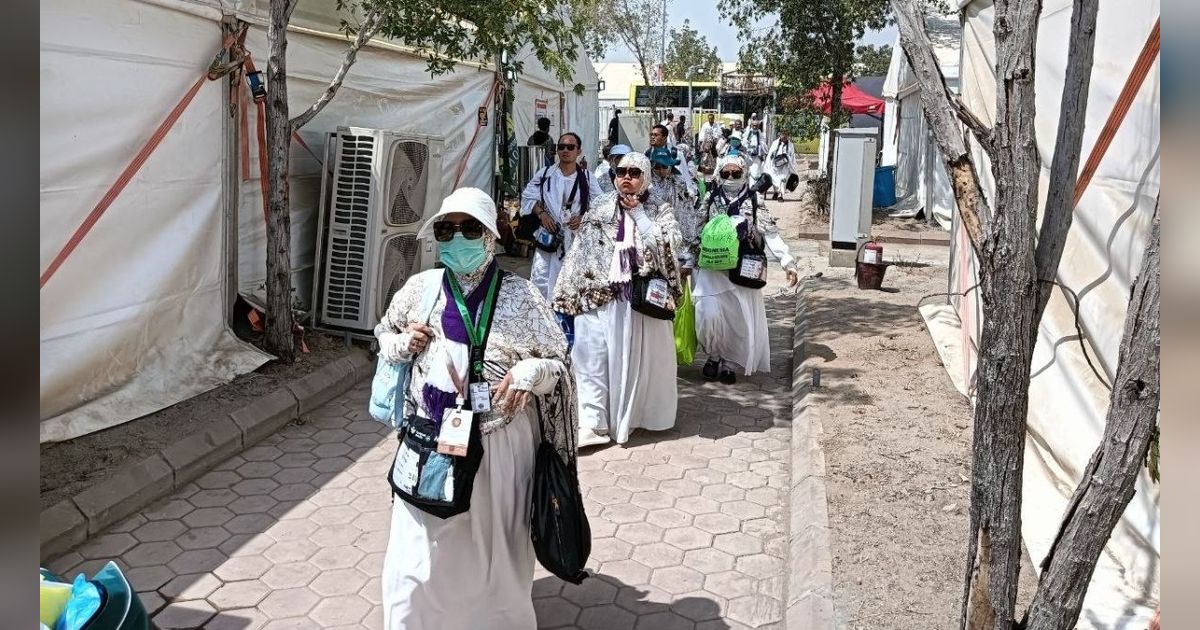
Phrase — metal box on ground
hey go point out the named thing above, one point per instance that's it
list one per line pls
(851, 193)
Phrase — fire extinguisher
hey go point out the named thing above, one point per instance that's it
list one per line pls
(873, 253)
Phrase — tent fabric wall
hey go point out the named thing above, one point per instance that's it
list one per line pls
(134, 321)
(386, 89)
(1068, 402)
(566, 110)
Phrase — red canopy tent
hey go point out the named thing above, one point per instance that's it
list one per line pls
(854, 100)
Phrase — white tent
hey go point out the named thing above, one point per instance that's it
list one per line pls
(921, 180)
(136, 319)
(1102, 258)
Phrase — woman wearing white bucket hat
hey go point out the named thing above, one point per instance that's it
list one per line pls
(624, 359)
(731, 319)
(484, 340)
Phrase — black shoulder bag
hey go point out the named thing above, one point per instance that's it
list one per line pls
(433, 482)
(558, 524)
(651, 293)
(751, 269)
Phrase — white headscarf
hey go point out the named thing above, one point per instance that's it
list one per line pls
(638, 161)
(734, 187)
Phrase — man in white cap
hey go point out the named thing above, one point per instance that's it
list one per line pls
(604, 175)
(438, 322)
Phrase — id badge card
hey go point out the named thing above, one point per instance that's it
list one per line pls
(656, 292)
(455, 434)
(752, 268)
(481, 397)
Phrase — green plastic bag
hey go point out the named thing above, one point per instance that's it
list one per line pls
(685, 327)
(719, 244)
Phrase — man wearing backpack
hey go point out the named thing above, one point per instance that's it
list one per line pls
(658, 139)
(781, 162)
(557, 195)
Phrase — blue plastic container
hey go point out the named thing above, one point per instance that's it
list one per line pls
(885, 187)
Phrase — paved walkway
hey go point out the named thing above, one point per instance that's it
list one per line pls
(689, 525)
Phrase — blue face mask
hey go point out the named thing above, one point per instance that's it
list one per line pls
(462, 255)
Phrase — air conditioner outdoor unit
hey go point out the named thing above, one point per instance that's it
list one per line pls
(382, 187)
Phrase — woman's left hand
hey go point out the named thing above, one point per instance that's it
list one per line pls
(793, 278)
(509, 400)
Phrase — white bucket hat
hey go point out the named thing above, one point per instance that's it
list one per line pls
(472, 201)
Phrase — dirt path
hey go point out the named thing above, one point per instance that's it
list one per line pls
(897, 439)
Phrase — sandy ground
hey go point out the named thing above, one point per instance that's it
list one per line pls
(897, 439)
(66, 468)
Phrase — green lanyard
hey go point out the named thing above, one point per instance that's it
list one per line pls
(476, 331)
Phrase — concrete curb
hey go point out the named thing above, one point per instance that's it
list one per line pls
(809, 604)
(943, 241)
(72, 521)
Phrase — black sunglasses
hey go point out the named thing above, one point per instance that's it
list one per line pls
(628, 171)
(567, 147)
(731, 174)
(443, 231)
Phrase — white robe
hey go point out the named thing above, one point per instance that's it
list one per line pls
(473, 570)
(546, 265)
(779, 175)
(624, 371)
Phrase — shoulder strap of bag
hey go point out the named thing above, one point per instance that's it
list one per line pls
(430, 296)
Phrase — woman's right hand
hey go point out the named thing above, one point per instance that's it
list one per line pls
(419, 337)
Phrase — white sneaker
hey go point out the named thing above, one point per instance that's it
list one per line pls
(588, 437)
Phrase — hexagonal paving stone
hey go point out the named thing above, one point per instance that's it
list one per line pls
(633, 483)
(658, 555)
(755, 610)
(250, 523)
(197, 561)
(746, 480)
(761, 527)
(372, 563)
(738, 544)
(340, 610)
(288, 551)
(261, 453)
(253, 505)
(242, 568)
(297, 529)
(729, 464)
(300, 460)
(331, 436)
(246, 545)
(686, 538)
(202, 538)
(590, 593)
(609, 495)
(237, 619)
(729, 584)
(697, 505)
(623, 513)
(372, 591)
(698, 606)
(334, 496)
(208, 517)
(147, 554)
(291, 602)
(677, 579)
(148, 578)
(218, 479)
(705, 476)
(606, 617)
(652, 499)
(338, 582)
(217, 497)
(743, 509)
(607, 549)
(624, 467)
(341, 557)
(722, 492)
(639, 533)
(190, 614)
(191, 586)
(152, 602)
(290, 575)
(555, 612)
(749, 454)
(708, 561)
(374, 520)
(294, 491)
(680, 487)
(334, 515)
(108, 546)
(626, 571)
(255, 470)
(760, 565)
(669, 517)
(378, 540)
(665, 620)
(128, 525)
(764, 496)
(168, 510)
(717, 523)
(710, 451)
(664, 472)
(251, 487)
(325, 451)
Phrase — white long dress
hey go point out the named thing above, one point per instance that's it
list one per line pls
(780, 174)
(555, 191)
(475, 569)
(731, 320)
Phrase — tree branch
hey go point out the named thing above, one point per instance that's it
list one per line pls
(940, 110)
(368, 29)
(1108, 483)
(982, 133)
(1064, 169)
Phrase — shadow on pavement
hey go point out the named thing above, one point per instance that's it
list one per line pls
(605, 602)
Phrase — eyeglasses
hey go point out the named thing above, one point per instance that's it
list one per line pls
(727, 175)
(443, 231)
(567, 147)
(628, 171)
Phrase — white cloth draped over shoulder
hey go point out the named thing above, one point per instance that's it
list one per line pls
(555, 187)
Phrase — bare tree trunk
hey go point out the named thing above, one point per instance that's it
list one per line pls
(1108, 482)
(279, 339)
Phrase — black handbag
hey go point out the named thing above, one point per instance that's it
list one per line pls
(751, 268)
(430, 481)
(652, 296)
(558, 524)
(527, 224)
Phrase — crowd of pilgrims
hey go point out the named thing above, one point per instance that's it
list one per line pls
(583, 350)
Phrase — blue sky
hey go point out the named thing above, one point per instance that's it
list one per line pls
(705, 18)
